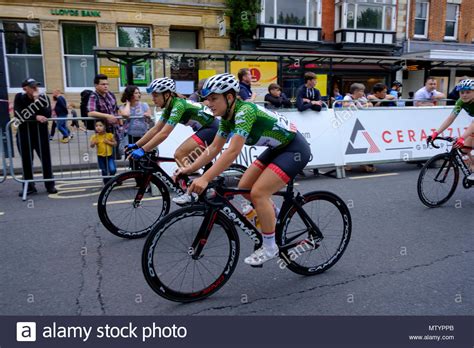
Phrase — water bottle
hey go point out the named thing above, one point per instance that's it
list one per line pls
(251, 214)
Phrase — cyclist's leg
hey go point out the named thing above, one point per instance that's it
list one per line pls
(469, 142)
(188, 151)
(192, 148)
(253, 172)
(284, 166)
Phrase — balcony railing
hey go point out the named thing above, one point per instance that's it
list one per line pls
(288, 33)
(365, 37)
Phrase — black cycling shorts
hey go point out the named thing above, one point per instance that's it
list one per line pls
(288, 161)
(205, 135)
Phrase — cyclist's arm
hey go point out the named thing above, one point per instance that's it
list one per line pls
(158, 138)
(151, 133)
(227, 158)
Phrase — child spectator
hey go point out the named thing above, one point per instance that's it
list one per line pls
(105, 142)
(275, 98)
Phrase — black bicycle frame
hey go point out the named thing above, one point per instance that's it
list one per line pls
(156, 170)
(461, 164)
(221, 203)
(454, 159)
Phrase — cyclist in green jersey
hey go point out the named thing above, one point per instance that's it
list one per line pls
(176, 110)
(466, 102)
(286, 155)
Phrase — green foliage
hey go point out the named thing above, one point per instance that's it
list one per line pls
(243, 17)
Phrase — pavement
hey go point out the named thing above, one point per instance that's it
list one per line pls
(402, 259)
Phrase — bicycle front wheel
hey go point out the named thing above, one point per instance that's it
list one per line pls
(311, 255)
(132, 203)
(173, 269)
(437, 180)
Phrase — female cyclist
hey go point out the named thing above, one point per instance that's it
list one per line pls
(286, 155)
(466, 102)
(177, 110)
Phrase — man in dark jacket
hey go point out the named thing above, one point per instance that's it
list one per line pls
(32, 111)
(275, 98)
(307, 96)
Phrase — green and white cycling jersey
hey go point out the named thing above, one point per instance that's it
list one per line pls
(259, 126)
(469, 107)
(186, 112)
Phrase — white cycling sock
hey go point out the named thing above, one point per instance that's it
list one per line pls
(269, 241)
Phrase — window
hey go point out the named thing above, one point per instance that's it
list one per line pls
(139, 37)
(366, 14)
(183, 39)
(23, 52)
(305, 13)
(452, 13)
(421, 19)
(78, 41)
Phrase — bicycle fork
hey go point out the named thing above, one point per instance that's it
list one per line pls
(197, 246)
(141, 191)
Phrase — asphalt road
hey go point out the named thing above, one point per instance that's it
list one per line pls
(403, 258)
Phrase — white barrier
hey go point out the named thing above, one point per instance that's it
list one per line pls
(317, 128)
(393, 134)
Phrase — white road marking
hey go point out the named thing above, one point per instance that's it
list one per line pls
(372, 176)
(130, 201)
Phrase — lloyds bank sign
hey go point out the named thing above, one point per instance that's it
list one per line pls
(74, 13)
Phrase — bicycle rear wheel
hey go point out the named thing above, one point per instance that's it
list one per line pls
(130, 210)
(167, 259)
(233, 174)
(438, 180)
(310, 255)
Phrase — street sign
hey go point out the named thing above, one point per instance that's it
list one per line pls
(111, 71)
(222, 27)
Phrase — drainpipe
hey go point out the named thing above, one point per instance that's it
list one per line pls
(407, 33)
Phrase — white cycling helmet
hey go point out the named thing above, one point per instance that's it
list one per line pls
(162, 85)
(220, 84)
(465, 85)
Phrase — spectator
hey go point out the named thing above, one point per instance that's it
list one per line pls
(74, 123)
(61, 111)
(410, 96)
(356, 97)
(379, 92)
(275, 98)
(33, 135)
(395, 90)
(307, 96)
(336, 97)
(245, 81)
(196, 96)
(428, 95)
(138, 125)
(105, 142)
(103, 105)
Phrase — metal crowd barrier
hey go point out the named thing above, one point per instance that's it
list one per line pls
(70, 161)
(398, 102)
(3, 156)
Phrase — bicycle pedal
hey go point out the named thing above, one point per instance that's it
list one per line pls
(256, 266)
